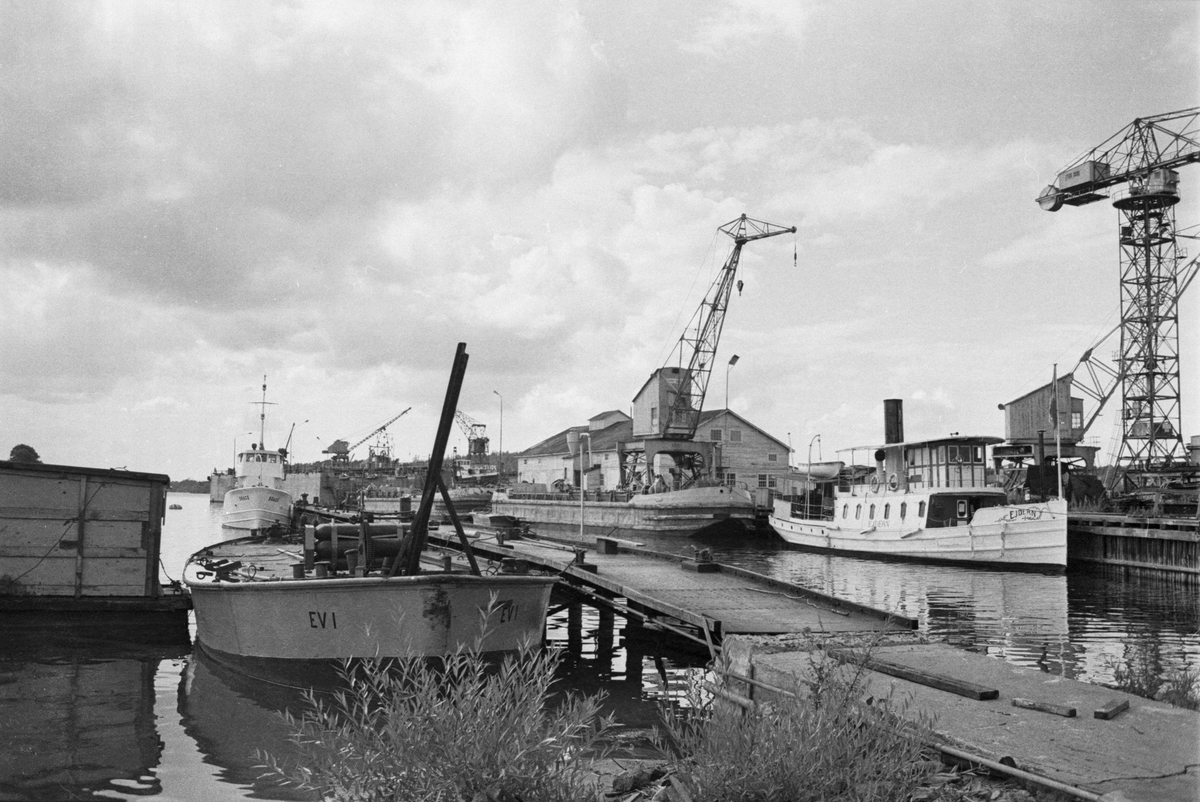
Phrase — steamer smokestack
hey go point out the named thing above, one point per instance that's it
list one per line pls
(893, 421)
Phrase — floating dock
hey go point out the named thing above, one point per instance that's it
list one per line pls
(80, 547)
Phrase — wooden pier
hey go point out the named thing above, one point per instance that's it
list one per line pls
(1158, 544)
(704, 601)
(1083, 740)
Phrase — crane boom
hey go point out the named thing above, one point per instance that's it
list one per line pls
(1146, 145)
(698, 344)
(377, 431)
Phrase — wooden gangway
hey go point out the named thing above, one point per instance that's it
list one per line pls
(712, 598)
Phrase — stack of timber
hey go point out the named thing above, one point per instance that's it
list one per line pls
(81, 546)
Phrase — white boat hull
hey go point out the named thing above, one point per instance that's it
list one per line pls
(251, 508)
(348, 617)
(1016, 534)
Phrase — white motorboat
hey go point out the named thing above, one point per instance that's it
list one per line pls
(925, 500)
(257, 499)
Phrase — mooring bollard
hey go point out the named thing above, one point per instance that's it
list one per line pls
(298, 571)
(322, 569)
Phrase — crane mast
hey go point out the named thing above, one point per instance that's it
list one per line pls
(698, 344)
(1141, 159)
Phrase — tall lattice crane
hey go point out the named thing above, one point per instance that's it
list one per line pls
(477, 442)
(698, 344)
(1140, 159)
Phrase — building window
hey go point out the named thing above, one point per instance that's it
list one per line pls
(1076, 420)
(762, 480)
(730, 478)
(771, 482)
(653, 416)
(772, 458)
(715, 435)
(735, 435)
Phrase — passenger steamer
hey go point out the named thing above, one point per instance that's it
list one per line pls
(924, 500)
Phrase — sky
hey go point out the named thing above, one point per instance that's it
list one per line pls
(195, 195)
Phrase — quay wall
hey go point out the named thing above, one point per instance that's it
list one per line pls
(1158, 544)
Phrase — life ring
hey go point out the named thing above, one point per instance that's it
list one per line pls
(892, 483)
(874, 484)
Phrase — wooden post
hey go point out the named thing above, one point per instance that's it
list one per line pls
(575, 628)
(462, 536)
(604, 634)
(79, 531)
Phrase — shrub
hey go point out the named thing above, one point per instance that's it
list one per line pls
(822, 741)
(419, 730)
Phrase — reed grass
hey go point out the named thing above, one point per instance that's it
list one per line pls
(826, 740)
(1180, 688)
(447, 730)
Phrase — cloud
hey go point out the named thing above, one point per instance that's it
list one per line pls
(737, 24)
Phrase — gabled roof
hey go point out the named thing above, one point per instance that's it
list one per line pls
(606, 439)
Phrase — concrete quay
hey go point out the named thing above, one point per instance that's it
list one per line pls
(1149, 752)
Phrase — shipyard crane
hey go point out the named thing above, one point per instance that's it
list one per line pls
(477, 443)
(677, 389)
(1140, 161)
(341, 451)
(698, 343)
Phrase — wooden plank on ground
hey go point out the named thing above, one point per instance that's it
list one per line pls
(1045, 707)
(1111, 709)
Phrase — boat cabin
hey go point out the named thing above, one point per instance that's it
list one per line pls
(929, 483)
(258, 466)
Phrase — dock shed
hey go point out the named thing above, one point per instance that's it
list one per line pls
(84, 542)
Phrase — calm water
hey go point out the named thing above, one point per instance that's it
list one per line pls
(106, 720)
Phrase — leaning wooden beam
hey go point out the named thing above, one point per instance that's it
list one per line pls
(420, 527)
(462, 536)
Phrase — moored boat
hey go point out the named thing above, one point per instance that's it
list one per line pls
(257, 499)
(250, 605)
(360, 590)
(925, 500)
(682, 512)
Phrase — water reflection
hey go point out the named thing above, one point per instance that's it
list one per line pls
(79, 718)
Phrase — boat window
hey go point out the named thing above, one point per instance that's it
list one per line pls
(857, 511)
(978, 454)
(903, 509)
(887, 511)
(871, 514)
(845, 510)
(921, 510)
(962, 509)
